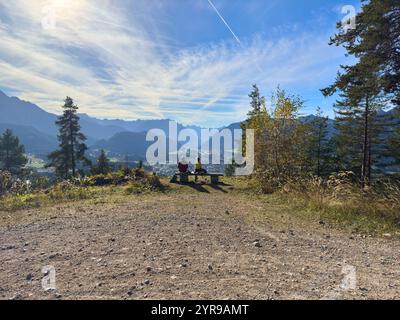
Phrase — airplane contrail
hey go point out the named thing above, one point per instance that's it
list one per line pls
(230, 29)
(223, 20)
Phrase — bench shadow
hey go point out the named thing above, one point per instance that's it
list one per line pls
(217, 187)
(197, 187)
(224, 184)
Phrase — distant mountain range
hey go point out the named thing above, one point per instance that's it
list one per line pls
(36, 129)
(35, 142)
(133, 144)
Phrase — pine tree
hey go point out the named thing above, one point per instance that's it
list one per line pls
(12, 156)
(256, 120)
(358, 130)
(257, 102)
(346, 140)
(361, 96)
(72, 148)
(103, 164)
(393, 144)
(375, 43)
(318, 147)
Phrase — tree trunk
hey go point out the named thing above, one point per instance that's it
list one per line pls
(72, 149)
(7, 162)
(369, 158)
(319, 151)
(364, 169)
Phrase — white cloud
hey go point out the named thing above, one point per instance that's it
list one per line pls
(104, 57)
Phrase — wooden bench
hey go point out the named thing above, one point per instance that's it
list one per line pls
(184, 177)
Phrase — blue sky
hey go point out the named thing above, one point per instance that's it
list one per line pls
(174, 59)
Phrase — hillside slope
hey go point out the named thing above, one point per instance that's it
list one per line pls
(34, 141)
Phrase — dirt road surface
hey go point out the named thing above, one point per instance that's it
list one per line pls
(201, 245)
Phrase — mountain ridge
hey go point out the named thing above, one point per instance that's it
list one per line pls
(19, 112)
(37, 130)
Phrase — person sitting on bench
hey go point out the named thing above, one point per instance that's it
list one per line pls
(183, 173)
(183, 166)
(199, 168)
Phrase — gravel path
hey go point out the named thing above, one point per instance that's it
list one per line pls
(210, 245)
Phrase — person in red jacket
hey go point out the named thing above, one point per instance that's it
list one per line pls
(183, 166)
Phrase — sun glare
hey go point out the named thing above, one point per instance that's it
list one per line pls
(68, 4)
(63, 3)
(65, 9)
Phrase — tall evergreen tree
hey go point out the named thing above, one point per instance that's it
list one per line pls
(257, 102)
(72, 148)
(103, 164)
(363, 87)
(394, 146)
(12, 156)
(318, 148)
(346, 141)
(358, 130)
(375, 43)
(257, 118)
(393, 143)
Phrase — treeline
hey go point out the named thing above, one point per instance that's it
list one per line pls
(365, 142)
(288, 145)
(73, 170)
(68, 161)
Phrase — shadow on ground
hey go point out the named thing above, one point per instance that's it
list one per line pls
(200, 187)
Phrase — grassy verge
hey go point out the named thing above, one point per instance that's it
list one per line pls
(343, 206)
(106, 191)
(336, 203)
(372, 211)
(347, 217)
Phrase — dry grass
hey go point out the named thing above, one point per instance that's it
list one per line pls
(95, 188)
(337, 201)
(340, 201)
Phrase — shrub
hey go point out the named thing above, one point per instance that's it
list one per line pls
(20, 187)
(5, 182)
(123, 177)
(104, 180)
(11, 185)
(268, 182)
(137, 188)
(68, 190)
(39, 182)
(144, 182)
